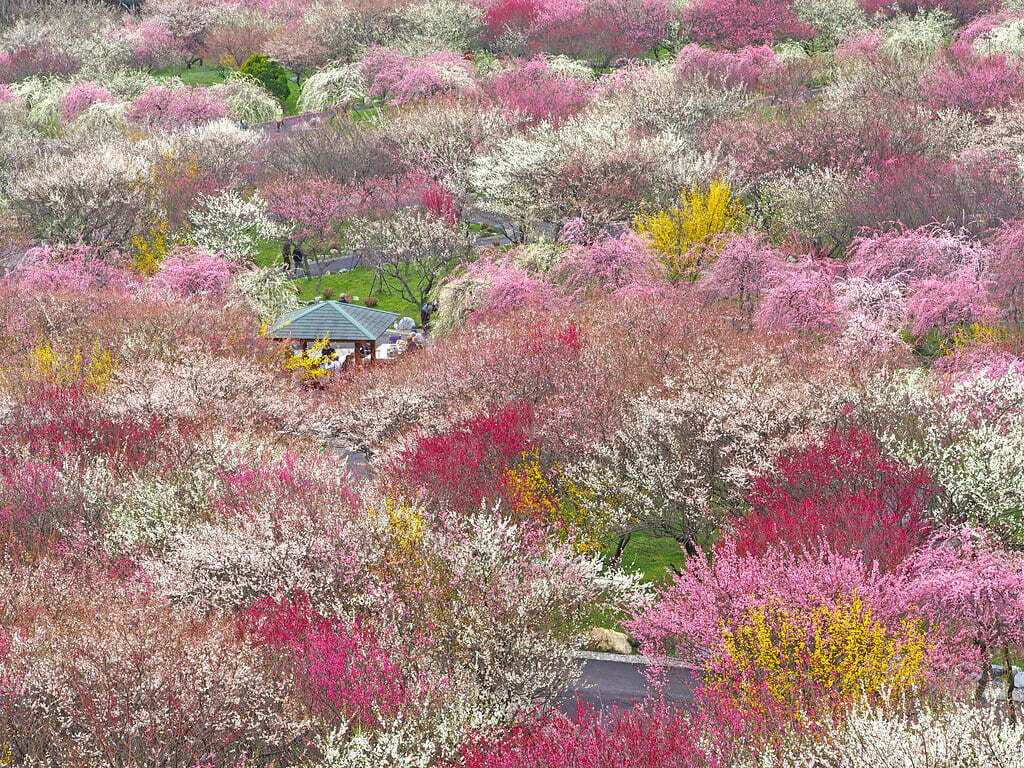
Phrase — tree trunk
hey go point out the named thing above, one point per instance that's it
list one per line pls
(983, 680)
(620, 548)
(1011, 707)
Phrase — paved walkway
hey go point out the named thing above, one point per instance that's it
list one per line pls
(608, 681)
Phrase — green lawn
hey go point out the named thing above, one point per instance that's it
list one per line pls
(357, 282)
(652, 555)
(207, 74)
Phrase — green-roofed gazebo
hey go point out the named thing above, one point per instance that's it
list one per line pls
(338, 322)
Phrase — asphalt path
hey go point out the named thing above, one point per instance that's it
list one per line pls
(607, 682)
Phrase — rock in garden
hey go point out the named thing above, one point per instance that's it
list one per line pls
(607, 641)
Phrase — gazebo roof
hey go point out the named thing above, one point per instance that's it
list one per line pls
(335, 320)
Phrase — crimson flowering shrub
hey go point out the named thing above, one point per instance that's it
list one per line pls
(656, 735)
(735, 24)
(164, 107)
(745, 67)
(537, 92)
(972, 83)
(465, 467)
(343, 674)
(844, 491)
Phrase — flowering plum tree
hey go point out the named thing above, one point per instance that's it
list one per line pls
(735, 24)
(845, 492)
(176, 107)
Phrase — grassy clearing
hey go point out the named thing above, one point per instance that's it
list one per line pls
(653, 557)
(357, 282)
(209, 74)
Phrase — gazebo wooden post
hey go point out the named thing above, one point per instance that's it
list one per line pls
(373, 351)
(358, 356)
(304, 342)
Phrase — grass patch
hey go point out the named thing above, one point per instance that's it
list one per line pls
(291, 104)
(207, 74)
(356, 282)
(653, 556)
(268, 254)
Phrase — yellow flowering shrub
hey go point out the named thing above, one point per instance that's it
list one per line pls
(151, 249)
(973, 335)
(96, 373)
(561, 503)
(309, 364)
(404, 525)
(837, 650)
(685, 234)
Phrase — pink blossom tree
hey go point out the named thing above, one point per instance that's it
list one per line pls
(745, 67)
(973, 590)
(312, 208)
(741, 271)
(688, 614)
(799, 297)
(80, 96)
(972, 83)
(961, 298)
(402, 78)
(1007, 269)
(537, 92)
(624, 265)
(735, 24)
(176, 107)
(195, 272)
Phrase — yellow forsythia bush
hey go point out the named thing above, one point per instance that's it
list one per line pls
(836, 651)
(685, 234)
(96, 372)
(309, 364)
(559, 502)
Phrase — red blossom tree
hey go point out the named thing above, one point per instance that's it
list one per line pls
(463, 468)
(845, 492)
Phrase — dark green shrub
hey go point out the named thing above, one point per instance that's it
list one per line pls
(267, 73)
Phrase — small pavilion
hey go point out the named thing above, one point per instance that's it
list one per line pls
(338, 322)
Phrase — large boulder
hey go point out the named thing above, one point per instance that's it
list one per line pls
(607, 641)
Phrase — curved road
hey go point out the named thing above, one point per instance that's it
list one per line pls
(609, 681)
